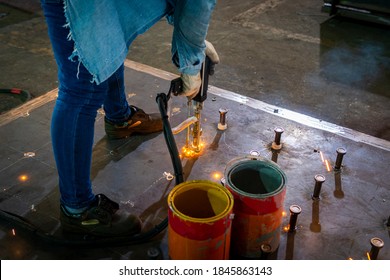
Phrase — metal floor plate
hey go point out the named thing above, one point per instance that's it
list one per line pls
(354, 205)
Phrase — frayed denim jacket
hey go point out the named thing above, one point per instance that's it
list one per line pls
(102, 31)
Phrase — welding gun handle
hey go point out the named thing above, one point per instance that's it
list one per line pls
(208, 68)
(176, 86)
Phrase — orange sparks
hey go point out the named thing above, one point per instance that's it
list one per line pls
(23, 178)
(325, 161)
(286, 228)
(187, 152)
(368, 256)
(322, 156)
(328, 168)
(284, 214)
(190, 153)
(217, 175)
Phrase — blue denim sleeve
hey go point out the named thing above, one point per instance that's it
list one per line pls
(191, 21)
(103, 30)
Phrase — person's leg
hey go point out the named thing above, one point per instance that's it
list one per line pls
(72, 131)
(116, 106)
(122, 119)
(72, 127)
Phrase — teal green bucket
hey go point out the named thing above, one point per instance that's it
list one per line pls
(258, 186)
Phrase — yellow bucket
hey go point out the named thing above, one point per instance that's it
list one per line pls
(199, 221)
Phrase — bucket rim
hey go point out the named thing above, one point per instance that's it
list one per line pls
(225, 213)
(238, 161)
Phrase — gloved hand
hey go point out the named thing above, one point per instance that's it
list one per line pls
(211, 52)
(192, 83)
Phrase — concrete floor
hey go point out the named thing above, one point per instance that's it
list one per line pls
(281, 58)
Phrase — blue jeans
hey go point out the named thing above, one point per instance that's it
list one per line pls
(72, 125)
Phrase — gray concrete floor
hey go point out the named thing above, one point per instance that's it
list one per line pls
(287, 54)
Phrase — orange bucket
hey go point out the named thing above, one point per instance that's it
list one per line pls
(258, 188)
(199, 221)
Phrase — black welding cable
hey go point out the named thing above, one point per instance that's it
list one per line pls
(162, 100)
(26, 225)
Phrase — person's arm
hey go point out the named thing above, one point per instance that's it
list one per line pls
(191, 21)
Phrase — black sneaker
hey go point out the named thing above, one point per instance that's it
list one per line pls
(139, 123)
(102, 219)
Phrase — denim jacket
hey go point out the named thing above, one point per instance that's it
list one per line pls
(102, 31)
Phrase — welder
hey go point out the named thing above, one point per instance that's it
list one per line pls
(91, 40)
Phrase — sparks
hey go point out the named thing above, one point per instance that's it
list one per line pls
(216, 175)
(13, 232)
(23, 178)
(328, 168)
(191, 153)
(368, 256)
(322, 156)
(325, 161)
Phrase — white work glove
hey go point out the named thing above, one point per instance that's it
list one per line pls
(211, 52)
(192, 83)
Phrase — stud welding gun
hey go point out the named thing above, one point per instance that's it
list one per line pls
(195, 106)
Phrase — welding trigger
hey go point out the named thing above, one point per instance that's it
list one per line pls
(176, 86)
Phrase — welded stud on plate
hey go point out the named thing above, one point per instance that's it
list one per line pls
(319, 179)
(340, 154)
(222, 119)
(276, 144)
(376, 245)
(295, 210)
